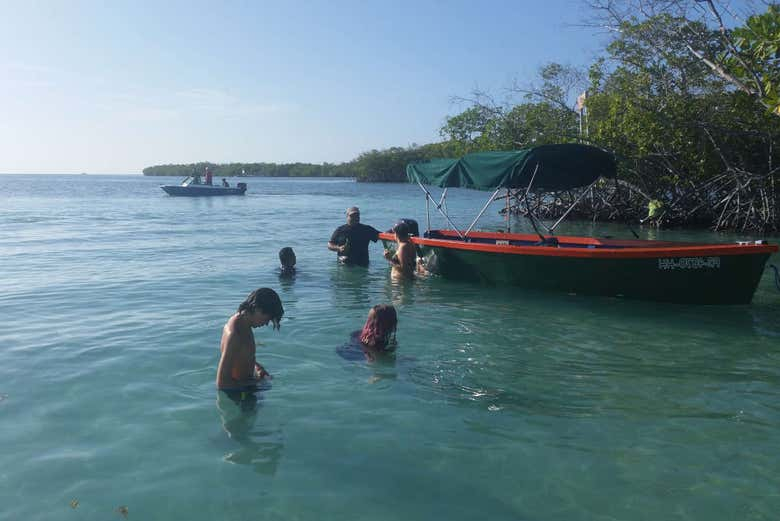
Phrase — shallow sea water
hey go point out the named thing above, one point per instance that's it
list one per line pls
(499, 403)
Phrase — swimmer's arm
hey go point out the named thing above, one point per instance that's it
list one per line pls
(392, 258)
(224, 377)
(224, 371)
(261, 373)
(335, 247)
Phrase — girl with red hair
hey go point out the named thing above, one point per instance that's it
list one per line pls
(379, 330)
(376, 337)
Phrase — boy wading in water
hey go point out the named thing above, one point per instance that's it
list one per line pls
(238, 370)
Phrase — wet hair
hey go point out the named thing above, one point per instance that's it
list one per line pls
(265, 300)
(287, 256)
(379, 329)
(401, 231)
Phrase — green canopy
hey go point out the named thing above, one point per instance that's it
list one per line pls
(561, 167)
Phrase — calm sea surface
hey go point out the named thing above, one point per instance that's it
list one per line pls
(500, 404)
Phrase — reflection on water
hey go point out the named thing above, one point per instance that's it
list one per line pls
(400, 291)
(260, 448)
(349, 285)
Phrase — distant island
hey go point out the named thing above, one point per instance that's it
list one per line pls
(254, 170)
(387, 165)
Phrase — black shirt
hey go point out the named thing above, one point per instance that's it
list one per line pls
(356, 237)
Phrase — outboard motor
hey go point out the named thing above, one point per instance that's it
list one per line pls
(241, 186)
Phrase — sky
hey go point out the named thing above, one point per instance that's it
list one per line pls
(113, 87)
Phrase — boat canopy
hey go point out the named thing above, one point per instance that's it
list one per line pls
(560, 167)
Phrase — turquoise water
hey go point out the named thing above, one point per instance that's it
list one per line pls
(499, 404)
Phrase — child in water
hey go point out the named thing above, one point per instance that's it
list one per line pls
(287, 261)
(238, 368)
(376, 338)
(404, 261)
(378, 333)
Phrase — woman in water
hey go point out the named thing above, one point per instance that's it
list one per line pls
(404, 261)
(376, 337)
(379, 329)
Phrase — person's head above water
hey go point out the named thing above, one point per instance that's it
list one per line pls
(401, 231)
(379, 330)
(353, 215)
(287, 258)
(261, 306)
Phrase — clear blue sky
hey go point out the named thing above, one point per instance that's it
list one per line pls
(112, 87)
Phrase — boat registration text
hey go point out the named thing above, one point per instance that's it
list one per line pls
(689, 263)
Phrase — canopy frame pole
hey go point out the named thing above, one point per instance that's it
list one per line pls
(521, 200)
(507, 213)
(428, 213)
(577, 200)
(533, 219)
(438, 207)
(531, 182)
(528, 205)
(484, 208)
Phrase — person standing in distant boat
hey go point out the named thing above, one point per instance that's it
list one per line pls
(238, 370)
(208, 176)
(350, 241)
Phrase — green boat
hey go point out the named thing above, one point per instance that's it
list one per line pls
(690, 273)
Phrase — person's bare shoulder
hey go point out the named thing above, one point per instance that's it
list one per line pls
(228, 332)
(231, 323)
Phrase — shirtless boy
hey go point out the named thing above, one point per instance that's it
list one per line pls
(238, 369)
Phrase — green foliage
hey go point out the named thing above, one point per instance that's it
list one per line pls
(390, 165)
(524, 125)
(701, 150)
(758, 55)
(255, 170)
(685, 136)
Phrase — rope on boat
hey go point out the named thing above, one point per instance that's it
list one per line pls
(777, 276)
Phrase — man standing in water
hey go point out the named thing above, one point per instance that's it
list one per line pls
(350, 240)
(238, 369)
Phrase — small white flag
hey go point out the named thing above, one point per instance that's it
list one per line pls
(581, 101)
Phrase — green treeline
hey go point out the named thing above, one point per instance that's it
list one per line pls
(690, 108)
(374, 166)
(254, 170)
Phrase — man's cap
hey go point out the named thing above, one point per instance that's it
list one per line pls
(353, 209)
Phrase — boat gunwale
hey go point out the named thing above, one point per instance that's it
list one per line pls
(622, 249)
(202, 190)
